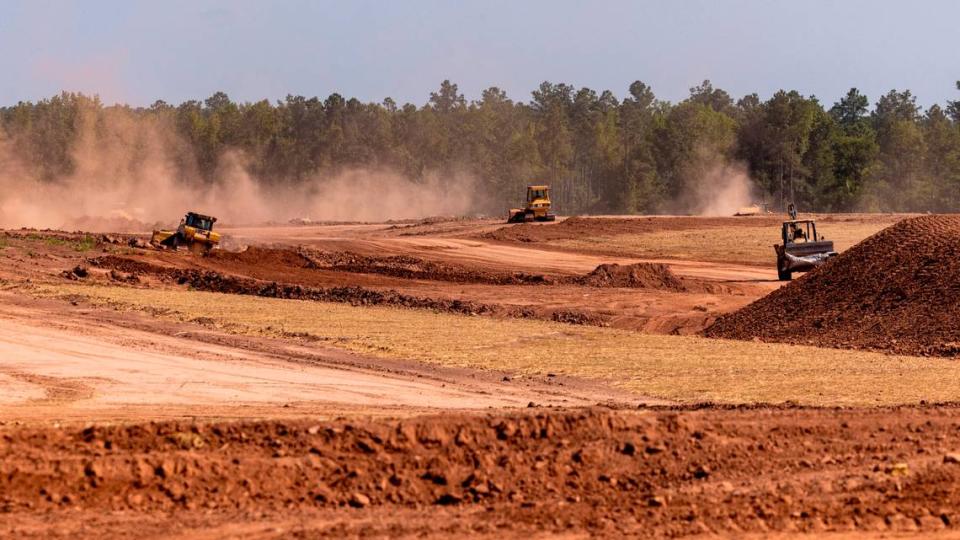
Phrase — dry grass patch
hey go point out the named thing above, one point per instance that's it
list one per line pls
(681, 368)
(746, 244)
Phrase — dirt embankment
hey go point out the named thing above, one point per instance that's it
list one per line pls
(412, 282)
(206, 280)
(639, 275)
(407, 267)
(896, 291)
(657, 474)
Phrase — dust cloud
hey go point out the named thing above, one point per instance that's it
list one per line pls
(128, 176)
(351, 195)
(725, 188)
(715, 186)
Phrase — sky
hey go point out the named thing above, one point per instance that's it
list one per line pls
(136, 52)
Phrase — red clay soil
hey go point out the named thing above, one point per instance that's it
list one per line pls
(398, 266)
(210, 281)
(897, 291)
(640, 275)
(264, 256)
(407, 267)
(666, 473)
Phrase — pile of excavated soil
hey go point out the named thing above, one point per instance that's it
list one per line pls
(639, 275)
(897, 291)
(615, 474)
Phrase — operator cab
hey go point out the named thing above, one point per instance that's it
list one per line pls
(802, 249)
(200, 221)
(800, 231)
(537, 192)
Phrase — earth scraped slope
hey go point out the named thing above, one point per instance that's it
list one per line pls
(897, 291)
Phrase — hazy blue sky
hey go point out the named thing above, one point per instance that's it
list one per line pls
(137, 52)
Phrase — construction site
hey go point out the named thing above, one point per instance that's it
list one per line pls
(497, 270)
(605, 375)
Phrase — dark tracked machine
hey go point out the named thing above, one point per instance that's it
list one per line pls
(801, 248)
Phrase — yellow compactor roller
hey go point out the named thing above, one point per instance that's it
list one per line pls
(195, 233)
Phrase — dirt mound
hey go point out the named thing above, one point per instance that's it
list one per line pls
(654, 474)
(896, 291)
(639, 275)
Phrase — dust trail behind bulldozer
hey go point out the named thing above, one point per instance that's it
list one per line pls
(129, 175)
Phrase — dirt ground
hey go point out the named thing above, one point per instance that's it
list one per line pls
(546, 472)
(448, 377)
(72, 363)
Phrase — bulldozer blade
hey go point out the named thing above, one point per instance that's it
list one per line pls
(162, 238)
(516, 216)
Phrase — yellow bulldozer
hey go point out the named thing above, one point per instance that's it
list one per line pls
(537, 207)
(195, 233)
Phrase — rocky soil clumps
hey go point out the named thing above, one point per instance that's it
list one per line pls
(661, 473)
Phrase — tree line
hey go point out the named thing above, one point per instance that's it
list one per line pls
(602, 154)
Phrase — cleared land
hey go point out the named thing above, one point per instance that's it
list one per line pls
(682, 369)
(743, 240)
(743, 245)
(447, 378)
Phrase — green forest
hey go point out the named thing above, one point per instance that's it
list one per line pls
(601, 154)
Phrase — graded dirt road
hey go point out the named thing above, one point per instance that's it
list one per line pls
(378, 240)
(505, 257)
(78, 363)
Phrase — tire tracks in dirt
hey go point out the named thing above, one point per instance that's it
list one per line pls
(56, 389)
